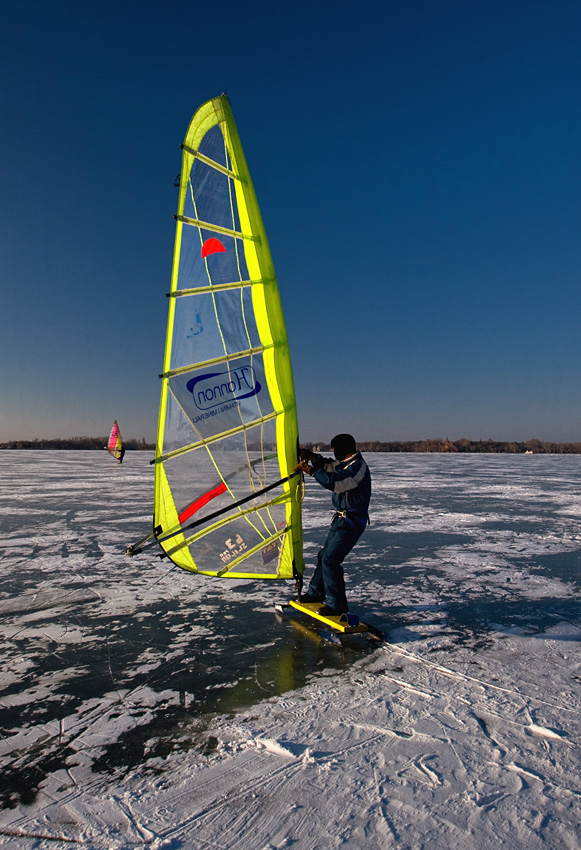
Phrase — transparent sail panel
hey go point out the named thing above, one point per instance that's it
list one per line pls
(226, 262)
(212, 146)
(212, 325)
(245, 462)
(210, 197)
(223, 397)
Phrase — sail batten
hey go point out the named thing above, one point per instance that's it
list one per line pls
(216, 228)
(209, 440)
(235, 355)
(188, 510)
(211, 163)
(227, 428)
(200, 290)
(234, 563)
(226, 521)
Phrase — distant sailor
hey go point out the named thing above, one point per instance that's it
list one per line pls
(349, 479)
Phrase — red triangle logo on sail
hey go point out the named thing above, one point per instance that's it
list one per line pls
(212, 246)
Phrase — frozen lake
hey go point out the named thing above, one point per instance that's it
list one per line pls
(114, 668)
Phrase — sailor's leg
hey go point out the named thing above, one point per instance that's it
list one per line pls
(316, 584)
(342, 538)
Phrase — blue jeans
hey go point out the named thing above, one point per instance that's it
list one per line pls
(328, 582)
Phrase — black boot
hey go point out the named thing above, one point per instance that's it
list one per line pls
(327, 611)
(309, 597)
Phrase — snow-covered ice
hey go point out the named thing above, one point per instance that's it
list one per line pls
(144, 706)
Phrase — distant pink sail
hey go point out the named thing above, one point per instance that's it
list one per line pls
(115, 444)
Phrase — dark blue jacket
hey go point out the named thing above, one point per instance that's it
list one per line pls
(350, 482)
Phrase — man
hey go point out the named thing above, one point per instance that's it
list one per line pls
(349, 479)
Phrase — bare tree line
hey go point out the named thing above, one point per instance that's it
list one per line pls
(76, 443)
(462, 446)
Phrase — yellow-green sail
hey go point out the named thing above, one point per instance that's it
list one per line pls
(227, 433)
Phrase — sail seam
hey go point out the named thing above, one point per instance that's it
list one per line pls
(243, 312)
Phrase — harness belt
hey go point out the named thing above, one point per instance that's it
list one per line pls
(363, 519)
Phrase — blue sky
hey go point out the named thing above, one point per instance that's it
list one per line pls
(417, 163)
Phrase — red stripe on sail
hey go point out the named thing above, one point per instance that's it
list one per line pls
(203, 500)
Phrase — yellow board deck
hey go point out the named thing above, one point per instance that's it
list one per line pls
(339, 623)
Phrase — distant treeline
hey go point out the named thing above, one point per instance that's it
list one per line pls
(462, 446)
(438, 445)
(76, 443)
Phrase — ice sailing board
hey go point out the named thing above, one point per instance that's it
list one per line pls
(345, 624)
(226, 502)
